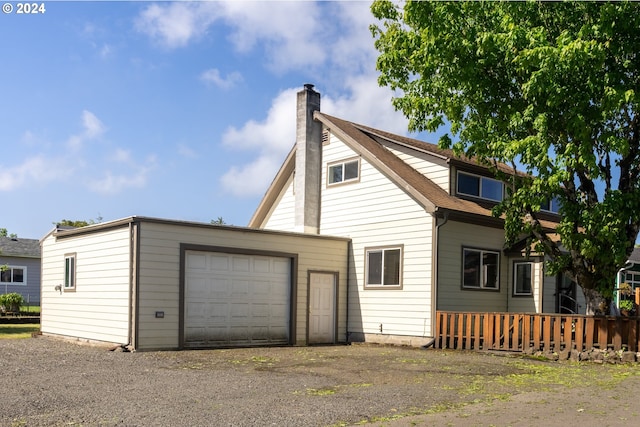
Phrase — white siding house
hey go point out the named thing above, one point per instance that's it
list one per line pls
(421, 240)
(158, 284)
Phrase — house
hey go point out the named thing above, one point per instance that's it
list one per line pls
(419, 218)
(150, 284)
(629, 274)
(21, 259)
(362, 236)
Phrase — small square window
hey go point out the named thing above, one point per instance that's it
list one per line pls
(343, 172)
(522, 272)
(383, 267)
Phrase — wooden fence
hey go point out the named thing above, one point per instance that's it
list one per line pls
(544, 332)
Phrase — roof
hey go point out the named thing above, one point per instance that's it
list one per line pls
(18, 247)
(635, 256)
(61, 233)
(365, 141)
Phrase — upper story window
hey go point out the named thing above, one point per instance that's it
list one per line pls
(552, 205)
(480, 186)
(346, 171)
(13, 275)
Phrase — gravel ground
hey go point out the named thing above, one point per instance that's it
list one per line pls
(50, 382)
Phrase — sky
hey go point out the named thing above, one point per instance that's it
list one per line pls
(179, 110)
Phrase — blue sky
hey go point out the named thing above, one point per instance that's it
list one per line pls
(178, 110)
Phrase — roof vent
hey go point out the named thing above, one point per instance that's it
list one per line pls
(325, 137)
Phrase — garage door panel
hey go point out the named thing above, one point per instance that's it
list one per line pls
(197, 262)
(238, 300)
(218, 262)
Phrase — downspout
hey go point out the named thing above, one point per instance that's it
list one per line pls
(133, 284)
(434, 276)
(349, 249)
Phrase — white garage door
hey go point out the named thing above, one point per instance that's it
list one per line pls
(236, 299)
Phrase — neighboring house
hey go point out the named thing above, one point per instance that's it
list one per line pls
(630, 273)
(160, 284)
(419, 219)
(21, 273)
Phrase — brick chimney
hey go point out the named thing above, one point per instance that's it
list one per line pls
(308, 162)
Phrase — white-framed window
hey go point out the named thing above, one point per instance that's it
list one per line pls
(70, 271)
(522, 278)
(480, 186)
(481, 269)
(345, 171)
(383, 267)
(13, 275)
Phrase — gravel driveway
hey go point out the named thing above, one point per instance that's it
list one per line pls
(49, 382)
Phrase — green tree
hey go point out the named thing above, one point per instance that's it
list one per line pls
(219, 221)
(5, 233)
(78, 223)
(551, 89)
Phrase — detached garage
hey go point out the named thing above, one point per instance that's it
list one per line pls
(156, 284)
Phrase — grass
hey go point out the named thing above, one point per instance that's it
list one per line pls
(31, 309)
(18, 331)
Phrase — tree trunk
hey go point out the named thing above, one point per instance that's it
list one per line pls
(596, 303)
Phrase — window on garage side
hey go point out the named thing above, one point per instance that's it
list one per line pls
(345, 171)
(522, 273)
(13, 275)
(480, 269)
(70, 272)
(383, 267)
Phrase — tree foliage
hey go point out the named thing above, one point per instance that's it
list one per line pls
(551, 89)
(5, 233)
(77, 223)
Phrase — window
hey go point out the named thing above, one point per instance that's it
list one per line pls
(632, 278)
(480, 186)
(343, 172)
(552, 205)
(522, 278)
(13, 275)
(383, 267)
(480, 269)
(70, 271)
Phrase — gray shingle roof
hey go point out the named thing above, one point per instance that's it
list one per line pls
(19, 247)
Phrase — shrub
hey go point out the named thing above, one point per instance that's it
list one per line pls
(11, 302)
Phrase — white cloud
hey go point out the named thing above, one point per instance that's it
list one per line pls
(187, 152)
(366, 103)
(176, 24)
(291, 32)
(212, 76)
(92, 128)
(35, 170)
(251, 179)
(134, 175)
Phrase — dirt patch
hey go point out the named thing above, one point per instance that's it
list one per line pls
(53, 383)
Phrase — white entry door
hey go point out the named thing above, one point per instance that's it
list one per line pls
(322, 302)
